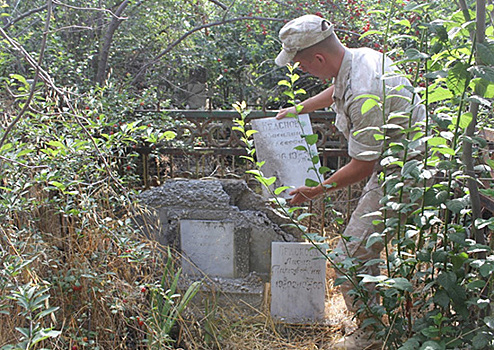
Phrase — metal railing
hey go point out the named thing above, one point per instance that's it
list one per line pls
(205, 145)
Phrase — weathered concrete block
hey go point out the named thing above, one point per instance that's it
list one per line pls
(256, 224)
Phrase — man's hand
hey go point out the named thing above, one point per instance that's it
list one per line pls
(304, 193)
(285, 111)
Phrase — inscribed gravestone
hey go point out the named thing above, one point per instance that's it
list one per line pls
(298, 280)
(275, 143)
(208, 247)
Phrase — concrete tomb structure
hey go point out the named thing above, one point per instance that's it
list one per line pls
(298, 280)
(275, 143)
(182, 213)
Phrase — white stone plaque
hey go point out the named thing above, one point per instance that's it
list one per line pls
(275, 143)
(208, 247)
(298, 280)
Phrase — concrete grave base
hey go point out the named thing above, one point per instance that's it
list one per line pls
(255, 224)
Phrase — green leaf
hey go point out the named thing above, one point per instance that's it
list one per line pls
(289, 94)
(311, 183)
(486, 53)
(432, 345)
(465, 120)
(58, 185)
(436, 141)
(411, 169)
(483, 72)
(268, 181)
(374, 238)
(399, 283)
(324, 170)
(444, 150)
(315, 160)
(489, 321)
(447, 279)
(486, 269)
(45, 334)
(483, 87)
(372, 279)
(254, 172)
(305, 215)
(311, 139)
(483, 223)
(414, 55)
(278, 190)
(249, 133)
(404, 22)
(410, 344)
(439, 94)
(285, 83)
(47, 312)
(56, 144)
(455, 205)
(391, 126)
(368, 105)
(481, 341)
(457, 77)
(19, 78)
(476, 285)
(441, 298)
(370, 32)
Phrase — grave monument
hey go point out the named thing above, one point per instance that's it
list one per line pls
(276, 143)
(298, 280)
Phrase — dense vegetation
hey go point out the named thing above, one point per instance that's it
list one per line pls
(76, 274)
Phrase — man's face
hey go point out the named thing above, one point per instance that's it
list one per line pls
(310, 64)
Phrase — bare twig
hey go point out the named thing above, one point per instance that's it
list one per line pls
(37, 74)
(22, 164)
(89, 9)
(24, 15)
(72, 27)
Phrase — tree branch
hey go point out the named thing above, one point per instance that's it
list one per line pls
(115, 15)
(45, 77)
(24, 15)
(196, 29)
(36, 75)
(107, 41)
(479, 37)
(216, 2)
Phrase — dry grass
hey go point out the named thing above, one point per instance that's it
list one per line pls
(96, 268)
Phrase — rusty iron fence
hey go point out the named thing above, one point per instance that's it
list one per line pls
(206, 146)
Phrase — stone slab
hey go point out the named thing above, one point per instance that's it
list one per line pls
(208, 247)
(298, 281)
(275, 143)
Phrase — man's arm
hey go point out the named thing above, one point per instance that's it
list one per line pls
(351, 173)
(321, 100)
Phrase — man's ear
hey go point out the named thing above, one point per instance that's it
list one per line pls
(320, 58)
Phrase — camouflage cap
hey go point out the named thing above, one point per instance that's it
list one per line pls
(301, 33)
